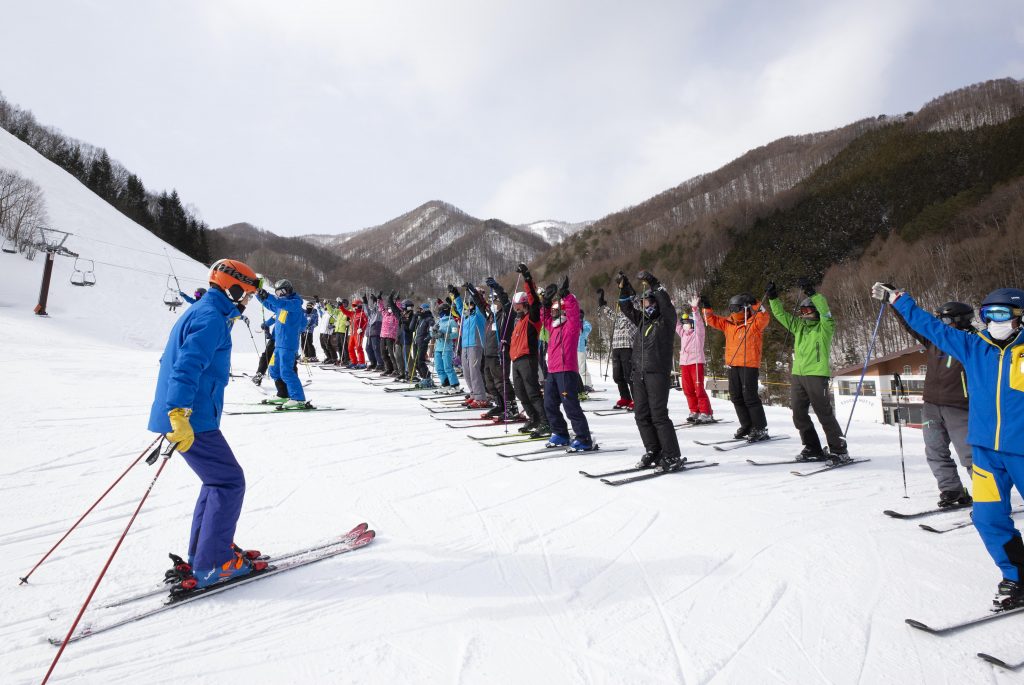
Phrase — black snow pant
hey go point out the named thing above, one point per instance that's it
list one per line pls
(562, 389)
(812, 391)
(650, 395)
(498, 384)
(308, 351)
(622, 371)
(527, 387)
(387, 348)
(325, 345)
(421, 361)
(343, 348)
(335, 342)
(268, 352)
(744, 397)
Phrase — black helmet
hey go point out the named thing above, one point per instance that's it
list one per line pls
(807, 310)
(956, 314)
(740, 302)
(445, 309)
(285, 285)
(407, 304)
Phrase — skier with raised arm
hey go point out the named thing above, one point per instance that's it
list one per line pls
(994, 362)
(290, 321)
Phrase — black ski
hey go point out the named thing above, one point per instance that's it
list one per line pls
(700, 425)
(744, 443)
(776, 463)
(634, 469)
(923, 512)
(557, 453)
(658, 474)
(968, 623)
(960, 524)
(830, 467)
(610, 412)
(278, 410)
(719, 442)
(999, 662)
(179, 600)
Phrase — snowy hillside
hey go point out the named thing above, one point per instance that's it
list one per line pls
(555, 232)
(485, 569)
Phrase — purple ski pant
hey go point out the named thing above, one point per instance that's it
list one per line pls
(219, 503)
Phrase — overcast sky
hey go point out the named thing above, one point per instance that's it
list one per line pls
(330, 116)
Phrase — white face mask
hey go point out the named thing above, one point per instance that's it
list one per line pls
(494, 308)
(1002, 330)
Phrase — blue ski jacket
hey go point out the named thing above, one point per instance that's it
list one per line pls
(291, 319)
(195, 365)
(446, 334)
(995, 378)
(473, 326)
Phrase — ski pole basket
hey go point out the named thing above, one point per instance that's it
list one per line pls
(83, 276)
(171, 298)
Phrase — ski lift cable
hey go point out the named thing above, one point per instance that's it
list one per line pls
(135, 249)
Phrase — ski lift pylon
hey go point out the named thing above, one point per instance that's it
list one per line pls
(171, 298)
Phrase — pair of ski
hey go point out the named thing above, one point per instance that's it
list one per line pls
(650, 472)
(950, 628)
(690, 424)
(486, 423)
(737, 443)
(940, 510)
(827, 466)
(358, 537)
(555, 453)
(269, 408)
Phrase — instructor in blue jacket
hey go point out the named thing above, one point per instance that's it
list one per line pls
(187, 408)
(994, 362)
(290, 323)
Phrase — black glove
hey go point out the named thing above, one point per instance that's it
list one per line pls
(262, 294)
(806, 286)
(366, 298)
(649, 278)
(548, 295)
(705, 303)
(771, 291)
(601, 302)
(524, 270)
(621, 281)
(391, 297)
(453, 290)
(563, 289)
(491, 283)
(468, 286)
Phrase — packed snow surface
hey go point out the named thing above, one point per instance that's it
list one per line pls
(485, 569)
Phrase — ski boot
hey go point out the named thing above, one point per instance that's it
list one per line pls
(583, 445)
(583, 397)
(557, 440)
(275, 400)
(1009, 595)
(258, 378)
(648, 461)
(492, 413)
(623, 403)
(250, 554)
(232, 569)
(954, 498)
(542, 430)
(758, 435)
(670, 463)
(808, 454)
(296, 405)
(704, 419)
(741, 433)
(426, 383)
(692, 418)
(529, 426)
(839, 455)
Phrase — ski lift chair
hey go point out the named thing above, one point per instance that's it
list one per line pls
(89, 275)
(171, 298)
(8, 246)
(77, 276)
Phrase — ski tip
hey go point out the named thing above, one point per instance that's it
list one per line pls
(894, 514)
(920, 626)
(996, 661)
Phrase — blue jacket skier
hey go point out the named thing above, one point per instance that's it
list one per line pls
(290, 322)
(994, 362)
(187, 408)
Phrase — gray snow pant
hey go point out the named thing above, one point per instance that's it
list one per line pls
(812, 392)
(942, 426)
(473, 372)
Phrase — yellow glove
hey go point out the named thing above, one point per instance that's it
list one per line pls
(181, 429)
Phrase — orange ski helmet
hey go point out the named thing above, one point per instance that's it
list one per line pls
(235, 278)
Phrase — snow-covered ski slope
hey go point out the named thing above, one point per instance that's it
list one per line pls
(485, 569)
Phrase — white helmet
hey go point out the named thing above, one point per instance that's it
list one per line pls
(519, 298)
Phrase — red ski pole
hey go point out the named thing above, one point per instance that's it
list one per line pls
(24, 579)
(81, 612)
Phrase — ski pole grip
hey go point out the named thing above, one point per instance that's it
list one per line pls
(155, 454)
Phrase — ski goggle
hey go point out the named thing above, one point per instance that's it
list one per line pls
(736, 308)
(999, 313)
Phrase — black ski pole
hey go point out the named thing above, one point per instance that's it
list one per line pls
(899, 429)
